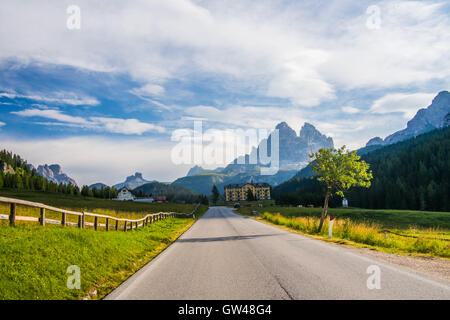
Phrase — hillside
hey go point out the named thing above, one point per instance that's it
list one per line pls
(17, 173)
(174, 193)
(412, 174)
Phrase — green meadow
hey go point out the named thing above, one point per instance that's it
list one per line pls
(34, 259)
(395, 231)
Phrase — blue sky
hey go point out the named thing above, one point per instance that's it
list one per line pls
(104, 100)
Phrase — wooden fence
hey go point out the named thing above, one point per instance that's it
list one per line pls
(110, 223)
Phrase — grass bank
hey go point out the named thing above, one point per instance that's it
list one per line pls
(392, 219)
(121, 209)
(427, 241)
(34, 259)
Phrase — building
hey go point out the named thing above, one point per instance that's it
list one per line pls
(160, 199)
(144, 199)
(345, 203)
(124, 195)
(235, 192)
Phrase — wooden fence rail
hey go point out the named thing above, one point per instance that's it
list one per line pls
(127, 224)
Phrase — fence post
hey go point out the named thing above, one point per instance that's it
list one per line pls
(80, 221)
(83, 220)
(12, 214)
(42, 218)
(107, 224)
(63, 219)
(95, 223)
(125, 226)
(117, 225)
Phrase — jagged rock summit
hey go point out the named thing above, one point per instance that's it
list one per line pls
(435, 116)
(132, 182)
(54, 173)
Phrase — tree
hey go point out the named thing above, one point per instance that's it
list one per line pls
(215, 194)
(340, 170)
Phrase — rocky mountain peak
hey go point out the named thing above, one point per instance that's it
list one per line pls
(136, 176)
(374, 142)
(309, 131)
(285, 132)
(132, 182)
(426, 119)
(195, 170)
(55, 174)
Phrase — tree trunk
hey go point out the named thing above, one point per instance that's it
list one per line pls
(325, 210)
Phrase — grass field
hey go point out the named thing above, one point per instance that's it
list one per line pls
(385, 218)
(429, 231)
(121, 209)
(34, 259)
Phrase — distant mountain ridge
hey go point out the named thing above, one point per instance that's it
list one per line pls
(435, 116)
(54, 173)
(411, 174)
(132, 182)
(294, 153)
(97, 186)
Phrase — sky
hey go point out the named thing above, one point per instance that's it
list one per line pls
(102, 87)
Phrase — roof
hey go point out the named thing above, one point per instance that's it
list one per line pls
(262, 184)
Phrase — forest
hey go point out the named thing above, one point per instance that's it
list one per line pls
(16, 173)
(413, 174)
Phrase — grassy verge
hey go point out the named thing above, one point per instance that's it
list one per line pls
(77, 203)
(392, 219)
(428, 241)
(121, 209)
(34, 259)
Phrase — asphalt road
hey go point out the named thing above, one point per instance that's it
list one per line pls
(227, 256)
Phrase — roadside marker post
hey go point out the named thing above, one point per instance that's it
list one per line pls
(330, 230)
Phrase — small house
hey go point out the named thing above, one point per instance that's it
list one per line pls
(124, 195)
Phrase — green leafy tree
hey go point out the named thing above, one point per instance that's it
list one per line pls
(215, 194)
(340, 170)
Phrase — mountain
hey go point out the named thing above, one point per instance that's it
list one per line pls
(197, 170)
(294, 153)
(132, 182)
(54, 173)
(97, 186)
(375, 142)
(435, 116)
(411, 174)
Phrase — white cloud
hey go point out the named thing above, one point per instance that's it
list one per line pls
(2, 124)
(350, 110)
(94, 159)
(148, 90)
(68, 98)
(296, 51)
(408, 48)
(406, 103)
(125, 126)
(155, 41)
(115, 125)
(51, 114)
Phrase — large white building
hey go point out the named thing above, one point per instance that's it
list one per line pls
(124, 195)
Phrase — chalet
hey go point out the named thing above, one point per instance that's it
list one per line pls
(124, 195)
